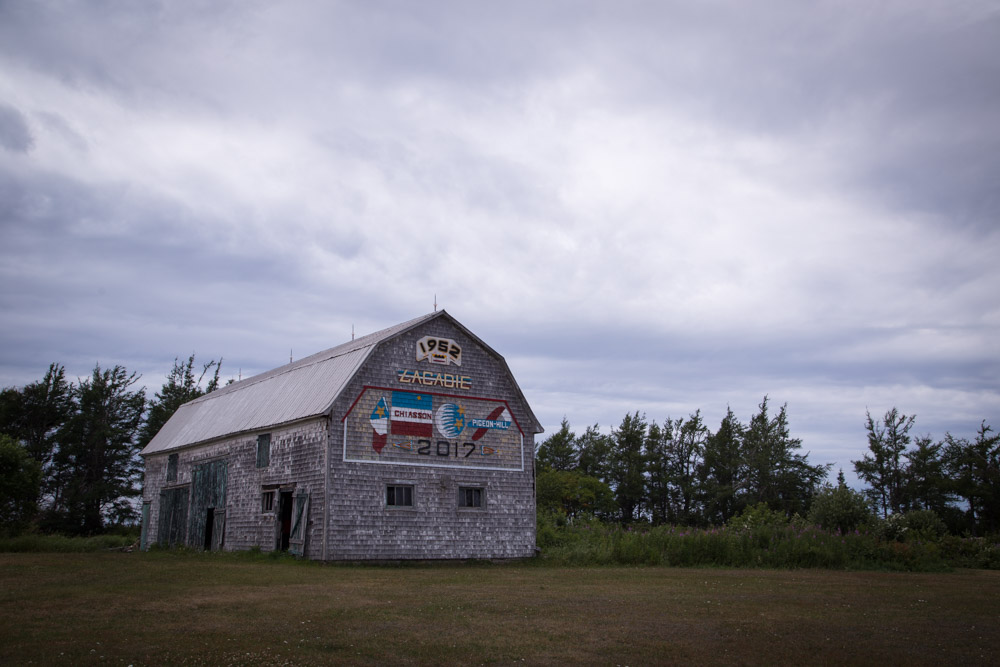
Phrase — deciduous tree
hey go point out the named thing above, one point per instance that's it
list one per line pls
(574, 494)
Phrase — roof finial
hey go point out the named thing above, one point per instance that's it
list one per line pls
(352, 331)
(289, 355)
(435, 303)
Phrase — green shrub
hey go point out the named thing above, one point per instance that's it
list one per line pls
(924, 525)
(757, 517)
(760, 538)
(839, 508)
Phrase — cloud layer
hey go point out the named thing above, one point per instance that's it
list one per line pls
(645, 206)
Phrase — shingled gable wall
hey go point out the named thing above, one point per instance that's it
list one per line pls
(362, 527)
(359, 525)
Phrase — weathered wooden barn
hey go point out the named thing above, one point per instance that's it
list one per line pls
(410, 443)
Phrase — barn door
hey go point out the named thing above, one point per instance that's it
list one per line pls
(218, 530)
(208, 499)
(300, 519)
(173, 517)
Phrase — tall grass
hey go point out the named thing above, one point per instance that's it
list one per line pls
(764, 546)
(34, 542)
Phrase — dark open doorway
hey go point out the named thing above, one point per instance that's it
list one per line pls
(285, 516)
(209, 526)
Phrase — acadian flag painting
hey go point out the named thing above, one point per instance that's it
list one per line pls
(412, 414)
(380, 425)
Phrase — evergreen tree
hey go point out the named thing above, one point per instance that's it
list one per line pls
(775, 473)
(558, 451)
(882, 468)
(32, 414)
(720, 471)
(594, 454)
(685, 450)
(20, 480)
(655, 452)
(975, 471)
(96, 462)
(626, 469)
(926, 486)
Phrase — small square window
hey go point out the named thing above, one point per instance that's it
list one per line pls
(399, 495)
(263, 450)
(267, 502)
(172, 468)
(471, 496)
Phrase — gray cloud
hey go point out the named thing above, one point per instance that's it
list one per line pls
(15, 135)
(643, 205)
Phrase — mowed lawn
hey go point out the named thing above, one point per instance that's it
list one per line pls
(162, 608)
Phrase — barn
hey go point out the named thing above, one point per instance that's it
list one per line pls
(414, 442)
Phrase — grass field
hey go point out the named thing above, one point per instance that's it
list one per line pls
(158, 608)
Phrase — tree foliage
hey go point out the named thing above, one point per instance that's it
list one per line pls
(85, 439)
(594, 453)
(20, 481)
(839, 508)
(31, 415)
(974, 468)
(627, 466)
(721, 471)
(926, 485)
(882, 466)
(96, 467)
(674, 456)
(558, 451)
(573, 494)
(774, 472)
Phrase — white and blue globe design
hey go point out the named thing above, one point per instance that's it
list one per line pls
(450, 420)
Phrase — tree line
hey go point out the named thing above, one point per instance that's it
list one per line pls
(69, 450)
(681, 472)
(956, 478)
(69, 462)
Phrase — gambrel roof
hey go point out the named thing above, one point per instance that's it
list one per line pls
(299, 390)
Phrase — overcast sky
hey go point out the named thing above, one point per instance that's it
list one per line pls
(654, 206)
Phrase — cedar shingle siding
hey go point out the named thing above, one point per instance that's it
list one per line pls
(424, 405)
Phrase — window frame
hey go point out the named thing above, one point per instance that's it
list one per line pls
(267, 498)
(409, 493)
(172, 460)
(264, 450)
(464, 492)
